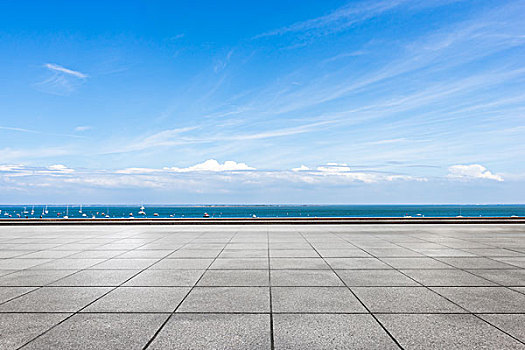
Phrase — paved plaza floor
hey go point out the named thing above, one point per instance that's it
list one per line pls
(262, 287)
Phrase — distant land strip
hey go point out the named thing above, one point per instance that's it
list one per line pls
(266, 221)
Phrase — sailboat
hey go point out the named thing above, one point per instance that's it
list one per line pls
(141, 211)
(67, 212)
(80, 210)
(33, 210)
(46, 211)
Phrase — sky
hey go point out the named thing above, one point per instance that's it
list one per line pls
(229, 102)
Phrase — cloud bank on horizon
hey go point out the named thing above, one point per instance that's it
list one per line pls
(401, 101)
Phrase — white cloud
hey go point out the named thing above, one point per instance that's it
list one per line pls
(213, 165)
(57, 68)
(340, 19)
(334, 168)
(59, 167)
(301, 168)
(60, 80)
(81, 128)
(472, 171)
(137, 171)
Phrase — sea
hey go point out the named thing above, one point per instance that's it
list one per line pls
(263, 211)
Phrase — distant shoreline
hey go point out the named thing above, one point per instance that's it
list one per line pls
(264, 221)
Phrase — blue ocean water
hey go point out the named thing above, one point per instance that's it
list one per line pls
(101, 211)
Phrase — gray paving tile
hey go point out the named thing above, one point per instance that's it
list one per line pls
(5, 254)
(315, 300)
(21, 264)
(514, 261)
(343, 253)
(317, 332)
(393, 252)
(375, 278)
(182, 264)
(124, 264)
(485, 299)
(513, 324)
(97, 254)
(166, 278)
(17, 329)
(101, 331)
(96, 278)
(6, 272)
(69, 264)
(514, 277)
(33, 277)
(304, 278)
(298, 263)
(240, 264)
(293, 253)
(7, 293)
(356, 263)
(140, 299)
(404, 300)
(475, 263)
(215, 331)
(145, 254)
(49, 254)
(439, 331)
(195, 253)
(256, 278)
(227, 299)
(244, 253)
(453, 278)
(54, 299)
(446, 252)
(492, 252)
(416, 263)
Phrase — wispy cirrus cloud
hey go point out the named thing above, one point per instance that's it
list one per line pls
(351, 15)
(60, 69)
(339, 19)
(61, 80)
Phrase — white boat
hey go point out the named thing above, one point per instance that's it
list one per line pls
(33, 210)
(206, 215)
(46, 211)
(84, 214)
(67, 212)
(80, 210)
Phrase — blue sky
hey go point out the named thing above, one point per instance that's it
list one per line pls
(401, 101)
